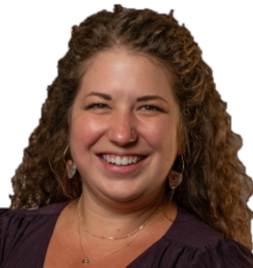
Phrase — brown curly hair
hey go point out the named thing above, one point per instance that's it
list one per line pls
(213, 178)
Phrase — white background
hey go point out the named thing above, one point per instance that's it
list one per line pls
(35, 34)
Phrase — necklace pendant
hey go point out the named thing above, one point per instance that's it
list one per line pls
(85, 261)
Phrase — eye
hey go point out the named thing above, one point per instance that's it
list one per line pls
(151, 108)
(97, 106)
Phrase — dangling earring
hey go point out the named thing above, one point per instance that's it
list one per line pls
(175, 179)
(70, 165)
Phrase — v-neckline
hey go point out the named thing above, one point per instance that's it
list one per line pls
(155, 244)
(64, 204)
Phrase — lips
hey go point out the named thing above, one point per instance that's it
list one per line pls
(122, 169)
(121, 160)
(121, 154)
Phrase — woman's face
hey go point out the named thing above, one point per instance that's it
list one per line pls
(124, 111)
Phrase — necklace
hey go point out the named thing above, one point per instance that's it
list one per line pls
(122, 237)
(87, 260)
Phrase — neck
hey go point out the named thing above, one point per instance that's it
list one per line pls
(116, 219)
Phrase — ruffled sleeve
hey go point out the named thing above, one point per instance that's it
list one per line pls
(228, 253)
(25, 235)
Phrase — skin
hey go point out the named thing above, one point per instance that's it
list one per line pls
(116, 204)
(125, 77)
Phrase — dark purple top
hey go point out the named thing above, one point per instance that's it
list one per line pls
(25, 235)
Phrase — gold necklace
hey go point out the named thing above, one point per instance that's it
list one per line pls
(87, 260)
(122, 237)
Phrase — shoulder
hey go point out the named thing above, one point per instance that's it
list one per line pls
(191, 231)
(226, 253)
(19, 229)
(52, 209)
(3, 211)
(14, 218)
(17, 218)
(198, 245)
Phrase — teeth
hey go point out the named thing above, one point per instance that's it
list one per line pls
(124, 161)
(117, 161)
(107, 158)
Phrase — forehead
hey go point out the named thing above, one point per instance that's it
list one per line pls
(122, 72)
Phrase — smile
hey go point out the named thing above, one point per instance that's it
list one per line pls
(121, 160)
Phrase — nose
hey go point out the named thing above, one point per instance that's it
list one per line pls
(122, 130)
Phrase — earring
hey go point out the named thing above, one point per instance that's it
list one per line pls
(70, 165)
(175, 179)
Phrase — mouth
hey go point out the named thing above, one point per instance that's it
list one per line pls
(116, 160)
(121, 164)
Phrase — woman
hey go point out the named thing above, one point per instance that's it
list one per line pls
(134, 163)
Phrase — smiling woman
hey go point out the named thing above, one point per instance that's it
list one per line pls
(128, 84)
(134, 163)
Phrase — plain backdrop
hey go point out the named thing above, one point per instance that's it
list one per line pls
(34, 35)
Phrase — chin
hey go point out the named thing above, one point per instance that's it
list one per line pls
(121, 194)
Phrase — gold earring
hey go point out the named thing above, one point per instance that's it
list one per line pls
(175, 178)
(70, 165)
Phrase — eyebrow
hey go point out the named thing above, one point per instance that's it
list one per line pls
(140, 99)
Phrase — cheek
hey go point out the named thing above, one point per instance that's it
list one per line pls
(162, 134)
(85, 131)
